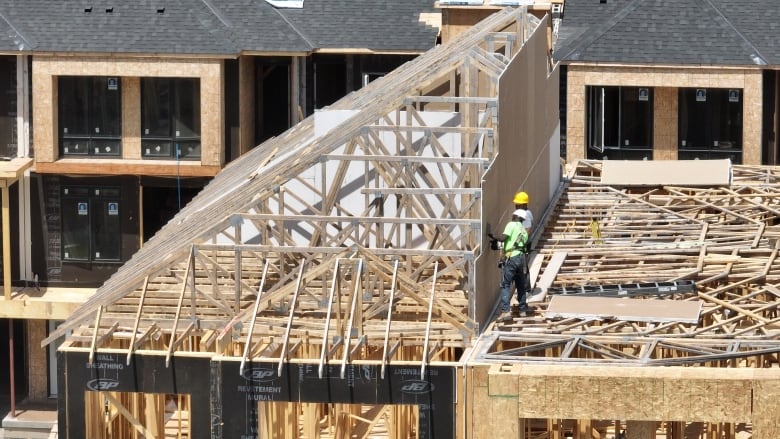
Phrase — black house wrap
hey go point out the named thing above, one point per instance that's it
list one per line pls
(224, 402)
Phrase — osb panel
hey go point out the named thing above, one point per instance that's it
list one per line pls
(44, 96)
(534, 389)
(457, 20)
(615, 397)
(46, 69)
(37, 377)
(246, 104)
(479, 375)
(665, 124)
(479, 401)
(505, 422)
(131, 118)
(766, 416)
(751, 120)
(502, 383)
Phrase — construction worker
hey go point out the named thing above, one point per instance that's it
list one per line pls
(512, 263)
(521, 202)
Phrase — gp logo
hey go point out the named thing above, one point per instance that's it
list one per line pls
(416, 387)
(102, 384)
(259, 374)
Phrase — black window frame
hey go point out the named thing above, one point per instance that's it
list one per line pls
(90, 116)
(710, 123)
(9, 130)
(619, 122)
(91, 237)
(171, 128)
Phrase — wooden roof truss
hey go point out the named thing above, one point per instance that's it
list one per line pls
(723, 239)
(341, 240)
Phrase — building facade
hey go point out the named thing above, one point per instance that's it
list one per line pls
(669, 80)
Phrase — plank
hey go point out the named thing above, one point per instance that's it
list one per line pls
(641, 310)
(540, 289)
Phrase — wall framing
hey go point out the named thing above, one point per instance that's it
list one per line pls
(350, 242)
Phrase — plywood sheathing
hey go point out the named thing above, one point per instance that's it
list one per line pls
(724, 238)
(641, 394)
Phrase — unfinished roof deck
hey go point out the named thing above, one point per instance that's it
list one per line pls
(643, 242)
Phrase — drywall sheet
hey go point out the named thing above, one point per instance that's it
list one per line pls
(639, 310)
(666, 172)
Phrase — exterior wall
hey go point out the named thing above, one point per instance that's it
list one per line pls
(665, 124)
(46, 69)
(246, 103)
(131, 118)
(665, 81)
(37, 373)
(457, 20)
(529, 391)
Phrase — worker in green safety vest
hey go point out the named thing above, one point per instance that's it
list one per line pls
(513, 263)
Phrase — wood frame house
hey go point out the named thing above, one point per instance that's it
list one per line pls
(667, 80)
(335, 274)
(115, 114)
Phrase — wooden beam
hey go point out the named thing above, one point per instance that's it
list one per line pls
(127, 167)
(6, 218)
(134, 422)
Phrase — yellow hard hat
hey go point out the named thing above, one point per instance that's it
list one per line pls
(521, 198)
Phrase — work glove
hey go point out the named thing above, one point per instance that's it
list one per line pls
(493, 242)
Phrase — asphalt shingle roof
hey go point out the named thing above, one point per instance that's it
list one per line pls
(186, 27)
(683, 32)
(212, 27)
(371, 24)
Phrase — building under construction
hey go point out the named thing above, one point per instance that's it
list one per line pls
(335, 282)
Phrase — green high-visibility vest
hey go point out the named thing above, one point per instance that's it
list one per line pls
(516, 238)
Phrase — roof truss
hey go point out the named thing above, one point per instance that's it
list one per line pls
(724, 240)
(351, 237)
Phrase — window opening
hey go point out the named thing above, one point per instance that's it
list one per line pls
(620, 122)
(91, 224)
(90, 116)
(170, 118)
(710, 124)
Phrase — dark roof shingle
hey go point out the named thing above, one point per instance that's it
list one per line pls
(212, 27)
(680, 32)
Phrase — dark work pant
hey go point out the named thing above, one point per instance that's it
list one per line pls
(513, 271)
